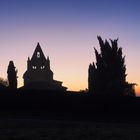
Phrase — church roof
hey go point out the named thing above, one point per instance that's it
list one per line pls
(38, 53)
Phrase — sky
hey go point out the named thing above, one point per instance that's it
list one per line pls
(67, 32)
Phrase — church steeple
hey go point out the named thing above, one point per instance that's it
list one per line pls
(38, 74)
(38, 53)
(38, 44)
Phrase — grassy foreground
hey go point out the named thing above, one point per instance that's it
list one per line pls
(42, 129)
(64, 116)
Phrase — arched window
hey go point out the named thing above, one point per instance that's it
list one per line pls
(34, 67)
(38, 54)
(42, 67)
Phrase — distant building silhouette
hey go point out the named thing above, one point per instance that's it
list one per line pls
(38, 74)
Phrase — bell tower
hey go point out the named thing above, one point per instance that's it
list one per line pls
(39, 73)
(38, 67)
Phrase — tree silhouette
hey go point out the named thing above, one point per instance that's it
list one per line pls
(108, 74)
(3, 83)
(12, 75)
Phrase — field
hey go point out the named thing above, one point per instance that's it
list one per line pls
(59, 116)
(42, 129)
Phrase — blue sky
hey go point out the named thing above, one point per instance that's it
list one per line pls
(67, 31)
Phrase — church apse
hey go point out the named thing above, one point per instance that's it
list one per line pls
(38, 74)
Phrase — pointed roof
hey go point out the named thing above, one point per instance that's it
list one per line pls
(48, 58)
(38, 53)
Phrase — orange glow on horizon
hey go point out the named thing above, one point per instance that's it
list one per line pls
(137, 89)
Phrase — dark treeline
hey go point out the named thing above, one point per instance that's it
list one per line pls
(69, 105)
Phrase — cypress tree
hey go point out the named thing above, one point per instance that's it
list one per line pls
(12, 75)
(108, 75)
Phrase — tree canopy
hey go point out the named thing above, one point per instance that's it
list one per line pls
(108, 74)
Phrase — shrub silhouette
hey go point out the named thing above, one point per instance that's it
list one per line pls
(12, 75)
(3, 83)
(108, 75)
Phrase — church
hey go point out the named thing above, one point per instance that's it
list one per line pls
(39, 75)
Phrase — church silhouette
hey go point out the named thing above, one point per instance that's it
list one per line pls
(38, 74)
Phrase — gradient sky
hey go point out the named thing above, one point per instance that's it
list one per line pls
(67, 31)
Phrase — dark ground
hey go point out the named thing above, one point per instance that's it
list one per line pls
(68, 116)
(44, 129)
